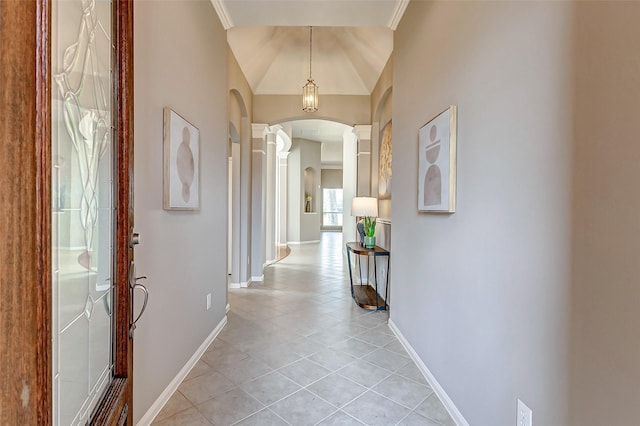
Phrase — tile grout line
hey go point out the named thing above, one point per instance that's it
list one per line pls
(295, 321)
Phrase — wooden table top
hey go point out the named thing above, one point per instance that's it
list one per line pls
(358, 248)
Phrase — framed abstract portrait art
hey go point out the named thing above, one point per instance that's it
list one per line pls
(181, 163)
(437, 164)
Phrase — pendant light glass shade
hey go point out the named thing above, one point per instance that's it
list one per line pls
(310, 90)
(310, 96)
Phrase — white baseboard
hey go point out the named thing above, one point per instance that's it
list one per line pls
(444, 398)
(241, 284)
(299, 243)
(227, 309)
(257, 279)
(164, 397)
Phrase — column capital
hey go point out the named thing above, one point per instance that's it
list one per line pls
(258, 130)
(362, 131)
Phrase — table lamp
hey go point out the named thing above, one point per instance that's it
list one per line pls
(366, 208)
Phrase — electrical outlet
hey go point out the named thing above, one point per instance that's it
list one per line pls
(208, 301)
(524, 415)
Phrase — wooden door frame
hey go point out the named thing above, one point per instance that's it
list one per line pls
(116, 407)
(25, 183)
(25, 225)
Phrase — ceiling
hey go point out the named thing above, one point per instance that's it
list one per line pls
(318, 130)
(345, 60)
(318, 13)
(352, 42)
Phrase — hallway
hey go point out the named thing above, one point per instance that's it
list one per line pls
(297, 351)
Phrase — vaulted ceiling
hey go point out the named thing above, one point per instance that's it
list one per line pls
(345, 60)
(352, 42)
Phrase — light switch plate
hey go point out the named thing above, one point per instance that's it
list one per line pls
(524, 415)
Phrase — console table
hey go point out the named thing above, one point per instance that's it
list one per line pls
(364, 295)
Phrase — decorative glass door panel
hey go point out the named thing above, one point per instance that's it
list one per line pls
(82, 206)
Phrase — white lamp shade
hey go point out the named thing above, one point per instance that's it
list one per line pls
(364, 206)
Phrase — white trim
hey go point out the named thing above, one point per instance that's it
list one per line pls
(223, 14)
(258, 279)
(331, 166)
(362, 131)
(257, 130)
(431, 379)
(259, 151)
(298, 243)
(245, 284)
(166, 394)
(227, 309)
(398, 11)
(234, 285)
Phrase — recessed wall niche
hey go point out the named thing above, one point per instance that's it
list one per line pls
(310, 184)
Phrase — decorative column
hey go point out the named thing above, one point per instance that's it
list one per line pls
(235, 215)
(283, 171)
(349, 183)
(245, 202)
(270, 210)
(258, 201)
(363, 135)
(375, 157)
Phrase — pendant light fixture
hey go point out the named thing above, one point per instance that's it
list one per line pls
(310, 90)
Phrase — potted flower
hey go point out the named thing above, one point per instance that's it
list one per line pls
(369, 232)
(365, 208)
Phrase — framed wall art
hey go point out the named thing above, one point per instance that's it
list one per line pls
(384, 163)
(437, 164)
(181, 163)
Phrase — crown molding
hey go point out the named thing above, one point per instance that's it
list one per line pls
(221, 10)
(398, 11)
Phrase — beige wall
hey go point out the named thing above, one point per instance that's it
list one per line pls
(380, 95)
(482, 295)
(272, 109)
(240, 115)
(381, 113)
(240, 104)
(331, 178)
(180, 62)
(605, 352)
(303, 227)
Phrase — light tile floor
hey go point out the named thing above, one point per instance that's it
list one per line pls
(298, 351)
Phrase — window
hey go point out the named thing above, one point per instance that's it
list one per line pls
(332, 207)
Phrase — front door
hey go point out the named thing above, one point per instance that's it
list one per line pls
(67, 211)
(87, 253)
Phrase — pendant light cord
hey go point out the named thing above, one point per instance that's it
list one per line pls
(310, 51)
